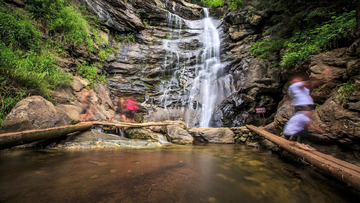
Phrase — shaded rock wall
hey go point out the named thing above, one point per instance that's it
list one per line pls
(338, 99)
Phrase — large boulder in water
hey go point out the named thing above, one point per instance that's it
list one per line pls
(141, 133)
(175, 134)
(34, 113)
(213, 135)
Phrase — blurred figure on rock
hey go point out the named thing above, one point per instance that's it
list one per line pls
(120, 108)
(85, 103)
(131, 107)
(297, 127)
(299, 92)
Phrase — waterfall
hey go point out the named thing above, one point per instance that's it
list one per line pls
(193, 71)
(210, 67)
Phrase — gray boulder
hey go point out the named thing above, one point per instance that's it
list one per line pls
(34, 113)
(175, 134)
(213, 135)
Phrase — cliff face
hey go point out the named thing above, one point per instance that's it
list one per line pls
(161, 67)
(258, 85)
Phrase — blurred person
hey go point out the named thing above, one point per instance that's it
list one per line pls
(120, 108)
(297, 127)
(299, 92)
(131, 107)
(85, 103)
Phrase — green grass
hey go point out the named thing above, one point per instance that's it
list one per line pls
(345, 91)
(31, 39)
(90, 72)
(125, 38)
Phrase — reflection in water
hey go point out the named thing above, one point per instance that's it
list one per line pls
(212, 173)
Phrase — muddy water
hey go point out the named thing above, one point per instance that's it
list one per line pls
(212, 173)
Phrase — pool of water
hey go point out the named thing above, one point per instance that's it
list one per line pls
(190, 173)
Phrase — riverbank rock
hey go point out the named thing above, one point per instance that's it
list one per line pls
(176, 134)
(141, 133)
(95, 139)
(34, 112)
(213, 135)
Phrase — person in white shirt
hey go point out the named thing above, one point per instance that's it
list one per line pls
(298, 126)
(300, 93)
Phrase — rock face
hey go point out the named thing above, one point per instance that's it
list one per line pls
(337, 113)
(34, 113)
(118, 15)
(213, 135)
(37, 113)
(140, 133)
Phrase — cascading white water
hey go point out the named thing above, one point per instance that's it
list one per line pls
(211, 66)
(206, 86)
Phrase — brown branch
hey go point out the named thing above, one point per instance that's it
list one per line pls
(148, 191)
(2, 103)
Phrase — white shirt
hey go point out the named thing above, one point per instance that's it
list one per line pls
(300, 94)
(296, 124)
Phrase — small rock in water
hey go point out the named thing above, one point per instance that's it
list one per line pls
(94, 176)
(99, 163)
(211, 199)
(113, 171)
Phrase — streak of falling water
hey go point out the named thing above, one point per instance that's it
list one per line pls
(206, 83)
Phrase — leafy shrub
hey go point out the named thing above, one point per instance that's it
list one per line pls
(345, 91)
(61, 17)
(125, 38)
(17, 31)
(307, 42)
(90, 73)
(214, 3)
(233, 4)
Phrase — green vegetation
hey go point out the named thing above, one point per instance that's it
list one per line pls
(233, 4)
(299, 29)
(307, 42)
(140, 11)
(125, 38)
(30, 41)
(345, 91)
(90, 72)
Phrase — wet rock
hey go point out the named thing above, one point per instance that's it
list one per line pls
(118, 15)
(79, 83)
(71, 111)
(96, 139)
(177, 135)
(213, 135)
(240, 32)
(62, 95)
(243, 138)
(18, 3)
(140, 133)
(179, 123)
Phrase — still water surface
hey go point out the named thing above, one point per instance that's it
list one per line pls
(192, 173)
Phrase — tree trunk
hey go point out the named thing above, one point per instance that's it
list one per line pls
(8, 140)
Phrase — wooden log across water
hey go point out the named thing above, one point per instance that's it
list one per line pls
(8, 140)
(343, 171)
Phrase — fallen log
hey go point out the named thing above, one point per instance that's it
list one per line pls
(131, 125)
(8, 140)
(341, 170)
